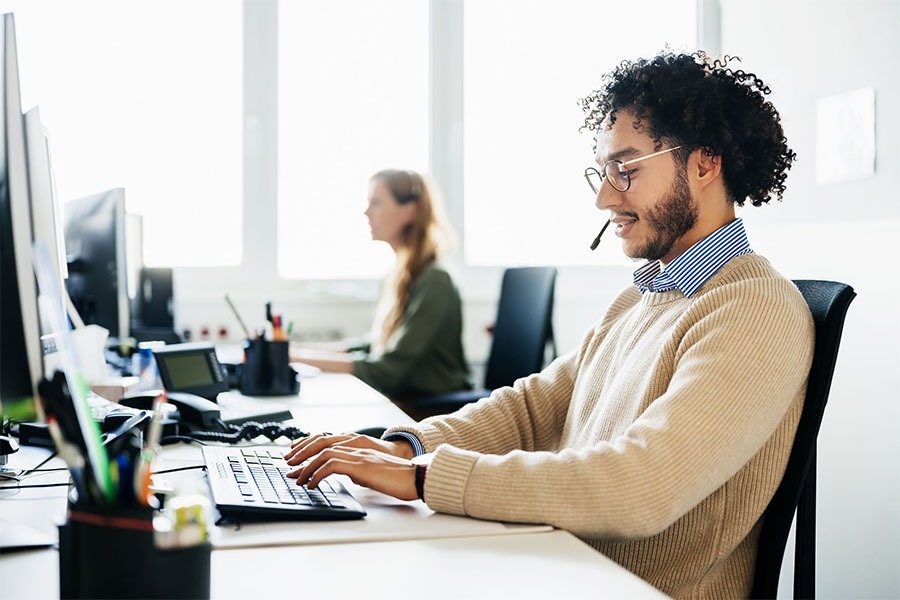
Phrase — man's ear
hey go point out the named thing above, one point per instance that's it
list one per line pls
(709, 166)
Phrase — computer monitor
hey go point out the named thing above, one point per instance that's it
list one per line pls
(45, 212)
(20, 354)
(96, 255)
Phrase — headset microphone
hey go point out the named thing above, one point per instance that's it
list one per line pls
(596, 241)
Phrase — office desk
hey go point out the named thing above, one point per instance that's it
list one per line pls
(326, 389)
(400, 547)
(537, 565)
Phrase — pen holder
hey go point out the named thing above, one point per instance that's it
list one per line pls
(112, 552)
(266, 370)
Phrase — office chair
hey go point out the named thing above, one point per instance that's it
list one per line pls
(521, 332)
(828, 302)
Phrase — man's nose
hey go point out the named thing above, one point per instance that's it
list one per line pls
(607, 197)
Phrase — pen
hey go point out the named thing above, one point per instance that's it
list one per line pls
(142, 471)
(237, 316)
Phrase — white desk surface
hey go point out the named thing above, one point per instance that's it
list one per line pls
(400, 547)
(535, 565)
(325, 389)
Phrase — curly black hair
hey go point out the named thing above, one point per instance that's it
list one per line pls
(701, 103)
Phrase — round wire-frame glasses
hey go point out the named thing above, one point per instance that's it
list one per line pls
(617, 172)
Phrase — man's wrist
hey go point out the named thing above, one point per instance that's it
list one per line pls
(421, 463)
(402, 436)
(421, 472)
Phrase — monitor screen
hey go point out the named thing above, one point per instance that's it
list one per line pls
(20, 354)
(96, 255)
(45, 213)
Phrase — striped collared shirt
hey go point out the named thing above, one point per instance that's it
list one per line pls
(694, 267)
(416, 443)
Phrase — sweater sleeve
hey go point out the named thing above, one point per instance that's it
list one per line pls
(719, 408)
(528, 415)
(430, 301)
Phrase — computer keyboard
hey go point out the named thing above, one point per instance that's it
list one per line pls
(249, 481)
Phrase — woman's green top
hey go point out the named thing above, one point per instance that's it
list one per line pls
(425, 355)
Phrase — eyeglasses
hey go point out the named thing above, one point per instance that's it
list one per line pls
(617, 172)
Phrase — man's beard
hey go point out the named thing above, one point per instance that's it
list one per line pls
(670, 219)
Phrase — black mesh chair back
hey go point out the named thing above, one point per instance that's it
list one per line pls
(523, 326)
(828, 302)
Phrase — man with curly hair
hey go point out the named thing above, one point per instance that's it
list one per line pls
(661, 439)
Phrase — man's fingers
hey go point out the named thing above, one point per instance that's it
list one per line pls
(330, 467)
(304, 473)
(301, 450)
(346, 455)
(368, 467)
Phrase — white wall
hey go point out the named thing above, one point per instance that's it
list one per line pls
(849, 232)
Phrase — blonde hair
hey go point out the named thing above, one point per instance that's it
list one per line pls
(428, 238)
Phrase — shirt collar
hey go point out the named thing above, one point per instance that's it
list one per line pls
(696, 265)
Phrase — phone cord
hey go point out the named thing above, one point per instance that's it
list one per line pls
(248, 431)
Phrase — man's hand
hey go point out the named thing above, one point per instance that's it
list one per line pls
(305, 448)
(371, 468)
(370, 462)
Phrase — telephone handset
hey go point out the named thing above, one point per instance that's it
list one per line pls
(201, 419)
(195, 413)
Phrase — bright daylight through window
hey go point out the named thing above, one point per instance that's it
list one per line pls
(526, 64)
(352, 100)
(132, 99)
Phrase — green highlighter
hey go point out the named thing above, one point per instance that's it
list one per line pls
(50, 303)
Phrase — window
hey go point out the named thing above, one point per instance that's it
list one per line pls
(352, 100)
(525, 66)
(148, 96)
(145, 95)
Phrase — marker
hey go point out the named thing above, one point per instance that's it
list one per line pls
(277, 331)
(142, 472)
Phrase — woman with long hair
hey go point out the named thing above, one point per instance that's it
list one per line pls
(416, 346)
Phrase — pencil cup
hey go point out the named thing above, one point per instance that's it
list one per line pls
(115, 552)
(266, 370)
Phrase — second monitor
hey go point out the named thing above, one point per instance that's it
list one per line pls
(97, 260)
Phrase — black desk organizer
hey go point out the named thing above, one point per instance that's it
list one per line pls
(110, 552)
(266, 370)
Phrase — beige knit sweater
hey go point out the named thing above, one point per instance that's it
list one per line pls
(659, 441)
